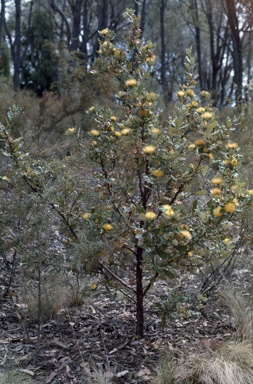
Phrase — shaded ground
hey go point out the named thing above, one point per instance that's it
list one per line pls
(100, 335)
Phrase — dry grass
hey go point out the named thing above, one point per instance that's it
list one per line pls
(56, 294)
(241, 312)
(98, 375)
(230, 364)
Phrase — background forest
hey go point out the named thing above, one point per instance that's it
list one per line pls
(126, 191)
(39, 39)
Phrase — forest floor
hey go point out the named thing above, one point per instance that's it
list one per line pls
(99, 337)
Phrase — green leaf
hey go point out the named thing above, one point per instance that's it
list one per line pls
(201, 193)
(194, 205)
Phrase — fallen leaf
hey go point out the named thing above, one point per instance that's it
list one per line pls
(51, 377)
(122, 373)
(27, 371)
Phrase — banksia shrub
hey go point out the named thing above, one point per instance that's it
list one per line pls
(169, 191)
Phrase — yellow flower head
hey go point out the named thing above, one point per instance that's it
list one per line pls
(125, 131)
(113, 118)
(107, 227)
(149, 149)
(226, 241)
(155, 131)
(151, 96)
(180, 93)
(158, 173)
(194, 103)
(232, 145)
(192, 146)
(94, 132)
(206, 115)
(5, 178)
(91, 109)
(190, 92)
(215, 191)
(229, 207)
(94, 143)
(226, 162)
(150, 215)
(104, 32)
(70, 131)
(201, 110)
(169, 212)
(251, 192)
(143, 112)
(186, 234)
(199, 142)
(93, 286)
(150, 60)
(205, 94)
(86, 216)
(217, 212)
(117, 133)
(233, 162)
(216, 180)
(130, 83)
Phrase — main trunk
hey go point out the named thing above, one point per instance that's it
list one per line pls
(139, 294)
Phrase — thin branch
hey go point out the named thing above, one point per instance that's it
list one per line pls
(115, 276)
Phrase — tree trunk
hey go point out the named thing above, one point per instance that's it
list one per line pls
(164, 82)
(237, 49)
(55, 7)
(194, 6)
(16, 49)
(143, 17)
(85, 35)
(75, 44)
(139, 293)
(2, 21)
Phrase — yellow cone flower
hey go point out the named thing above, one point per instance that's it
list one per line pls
(199, 142)
(130, 83)
(155, 131)
(94, 132)
(216, 180)
(104, 31)
(232, 145)
(229, 207)
(206, 116)
(215, 191)
(150, 215)
(217, 212)
(186, 234)
(149, 149)
(125, 131)
(180, 93)
(158, 173)
(107, 227)
(226, 241)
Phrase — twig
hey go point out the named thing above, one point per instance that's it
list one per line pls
(115, 276)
